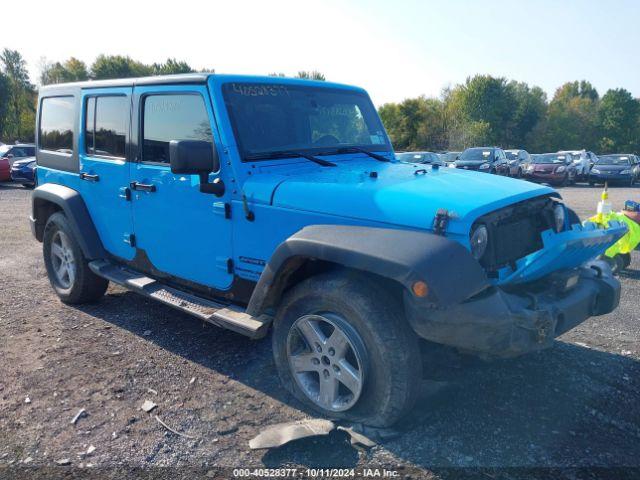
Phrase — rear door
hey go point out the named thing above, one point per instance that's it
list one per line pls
(104, 166)
(179, 230)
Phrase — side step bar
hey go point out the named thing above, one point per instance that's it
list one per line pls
(225, 316)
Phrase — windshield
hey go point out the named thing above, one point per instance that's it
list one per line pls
(421, 157)
(511, 155)
(477, 154)
(550, 158)
(613, 160)
(278, 117)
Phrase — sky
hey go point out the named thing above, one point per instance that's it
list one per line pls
(393, 48)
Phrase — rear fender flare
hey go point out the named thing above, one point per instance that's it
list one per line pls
(70, 202)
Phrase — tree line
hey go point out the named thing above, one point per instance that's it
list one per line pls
(484, 110)
(18, 96)
(487, 110)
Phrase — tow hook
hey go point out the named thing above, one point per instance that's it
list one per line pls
(543, 328)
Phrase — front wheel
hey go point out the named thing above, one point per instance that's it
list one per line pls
(66, 265)
(343, 348)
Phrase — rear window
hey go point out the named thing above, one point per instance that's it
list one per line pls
(56, 124)
(106, 125)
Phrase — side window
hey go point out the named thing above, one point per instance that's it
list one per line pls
(56, 124)
(172, 117)
(106, 125)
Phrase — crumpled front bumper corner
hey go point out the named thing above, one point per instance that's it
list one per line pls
(502, 322)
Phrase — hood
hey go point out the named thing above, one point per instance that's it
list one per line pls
(547, 167)
(472, 162)
(612, 168)
(24, 161)
(401, 194)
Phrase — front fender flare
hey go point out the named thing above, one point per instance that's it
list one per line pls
(70, 202)
(404, 256)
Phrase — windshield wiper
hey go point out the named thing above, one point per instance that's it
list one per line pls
(289, 154)
(380, 158)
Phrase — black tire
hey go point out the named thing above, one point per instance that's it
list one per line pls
(83, 286)
(29, 186)
(592, 184)
(626, 260)
(391, 355)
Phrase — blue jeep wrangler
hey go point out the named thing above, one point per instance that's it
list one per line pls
(257, 203)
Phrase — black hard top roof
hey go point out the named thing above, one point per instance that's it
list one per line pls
(130, 82)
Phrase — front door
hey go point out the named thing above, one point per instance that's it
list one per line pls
(179, 231)
(104, 169)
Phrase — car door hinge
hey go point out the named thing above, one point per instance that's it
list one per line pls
(223, 209)
(125, 192)
(130, 238)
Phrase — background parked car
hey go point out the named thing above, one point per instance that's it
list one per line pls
(615, 168)
(484, 159)
(17, 151)
(518, 161)
(449, 157)
(582, 160)
(554, 168)
(24, 172)
(4, 170)
(420, 157)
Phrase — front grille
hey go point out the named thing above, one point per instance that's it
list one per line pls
(515, 231)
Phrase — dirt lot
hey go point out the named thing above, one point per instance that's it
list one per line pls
(575, 405)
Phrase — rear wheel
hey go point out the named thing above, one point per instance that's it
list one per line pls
(66, 265)
(343, 348)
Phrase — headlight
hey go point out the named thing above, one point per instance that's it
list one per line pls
(559, 216)
(561, 169)
(452, 165)
(595, 170)
(484, 166)
(625, 172)
(479, 240)
(529, 168)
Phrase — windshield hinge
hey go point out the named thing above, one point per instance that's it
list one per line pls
(248, 214)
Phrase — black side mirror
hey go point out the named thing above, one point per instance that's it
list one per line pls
(196, 157)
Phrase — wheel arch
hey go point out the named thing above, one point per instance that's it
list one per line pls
(50, 198)
(396, 257)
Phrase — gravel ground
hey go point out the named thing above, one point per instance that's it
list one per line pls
(575, 405)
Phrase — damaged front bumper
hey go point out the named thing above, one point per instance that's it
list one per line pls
(507, 322)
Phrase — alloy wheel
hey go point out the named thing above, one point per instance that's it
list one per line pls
(326, 359)
(62, 260)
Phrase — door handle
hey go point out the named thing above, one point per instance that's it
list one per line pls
(144, 187)
(88, 177)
